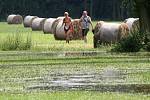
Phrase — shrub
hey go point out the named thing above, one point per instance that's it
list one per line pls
(16, 42)
(147, 46)
(132, 43)
(147, 42)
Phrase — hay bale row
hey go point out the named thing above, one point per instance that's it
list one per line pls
(37, 24)
(53, 26)
(28, 20)
(47, 27)
(14, 19)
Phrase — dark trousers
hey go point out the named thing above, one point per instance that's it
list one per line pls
(84, 32)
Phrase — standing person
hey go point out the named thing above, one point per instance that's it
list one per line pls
(85, 23)
(68, 27)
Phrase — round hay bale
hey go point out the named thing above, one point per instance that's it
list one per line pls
(133, 24)
(54, 25)
(37, 24)
(28, 20)
(47, 28)
(61, 17)
(14, 19)
(59, 32)
(77, 34)
(10, 18)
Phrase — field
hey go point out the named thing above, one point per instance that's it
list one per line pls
(45, 42)
(54, 70)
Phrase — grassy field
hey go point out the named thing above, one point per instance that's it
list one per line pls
(38, 73)
(41, 41)
(74, 96)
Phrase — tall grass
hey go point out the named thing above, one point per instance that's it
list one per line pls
(16, 42)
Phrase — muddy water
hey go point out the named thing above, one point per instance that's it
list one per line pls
(107, 80)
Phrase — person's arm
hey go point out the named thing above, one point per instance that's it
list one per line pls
(70, 19)
(81, 19)
(90, 21)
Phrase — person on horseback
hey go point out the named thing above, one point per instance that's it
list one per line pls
(68, 27)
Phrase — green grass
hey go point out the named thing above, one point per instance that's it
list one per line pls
(21, 66)
(47, 56)
(73, 96)
(43, 41)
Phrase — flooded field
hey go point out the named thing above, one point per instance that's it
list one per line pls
(74, 71)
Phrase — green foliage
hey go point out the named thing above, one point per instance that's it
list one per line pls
(147, 46)
(147, 42)
(130, 6)
(96, 8)
(15, 42)
(132, 43)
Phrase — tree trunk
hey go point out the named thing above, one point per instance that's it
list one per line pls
(118, 11)
(144, 16)
(91, 8)
(85, 5)
(113, 9)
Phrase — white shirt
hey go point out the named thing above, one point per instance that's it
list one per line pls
(85, 22)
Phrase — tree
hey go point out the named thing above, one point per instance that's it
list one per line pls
(142, 10)
(142, 7)
(98, 9)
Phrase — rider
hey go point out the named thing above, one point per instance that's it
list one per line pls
(86, 22)
(68, 27)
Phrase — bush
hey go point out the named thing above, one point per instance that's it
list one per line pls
(15, 42)
(147, 46)
(132, 43)
(147, 42)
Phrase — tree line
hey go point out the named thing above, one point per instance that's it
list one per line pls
(142, 11)
(98, 9)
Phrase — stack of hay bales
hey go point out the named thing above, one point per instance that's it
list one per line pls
(14, 19)
(59, 33)
(47, 28)
(37, 24)
(28, 20)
